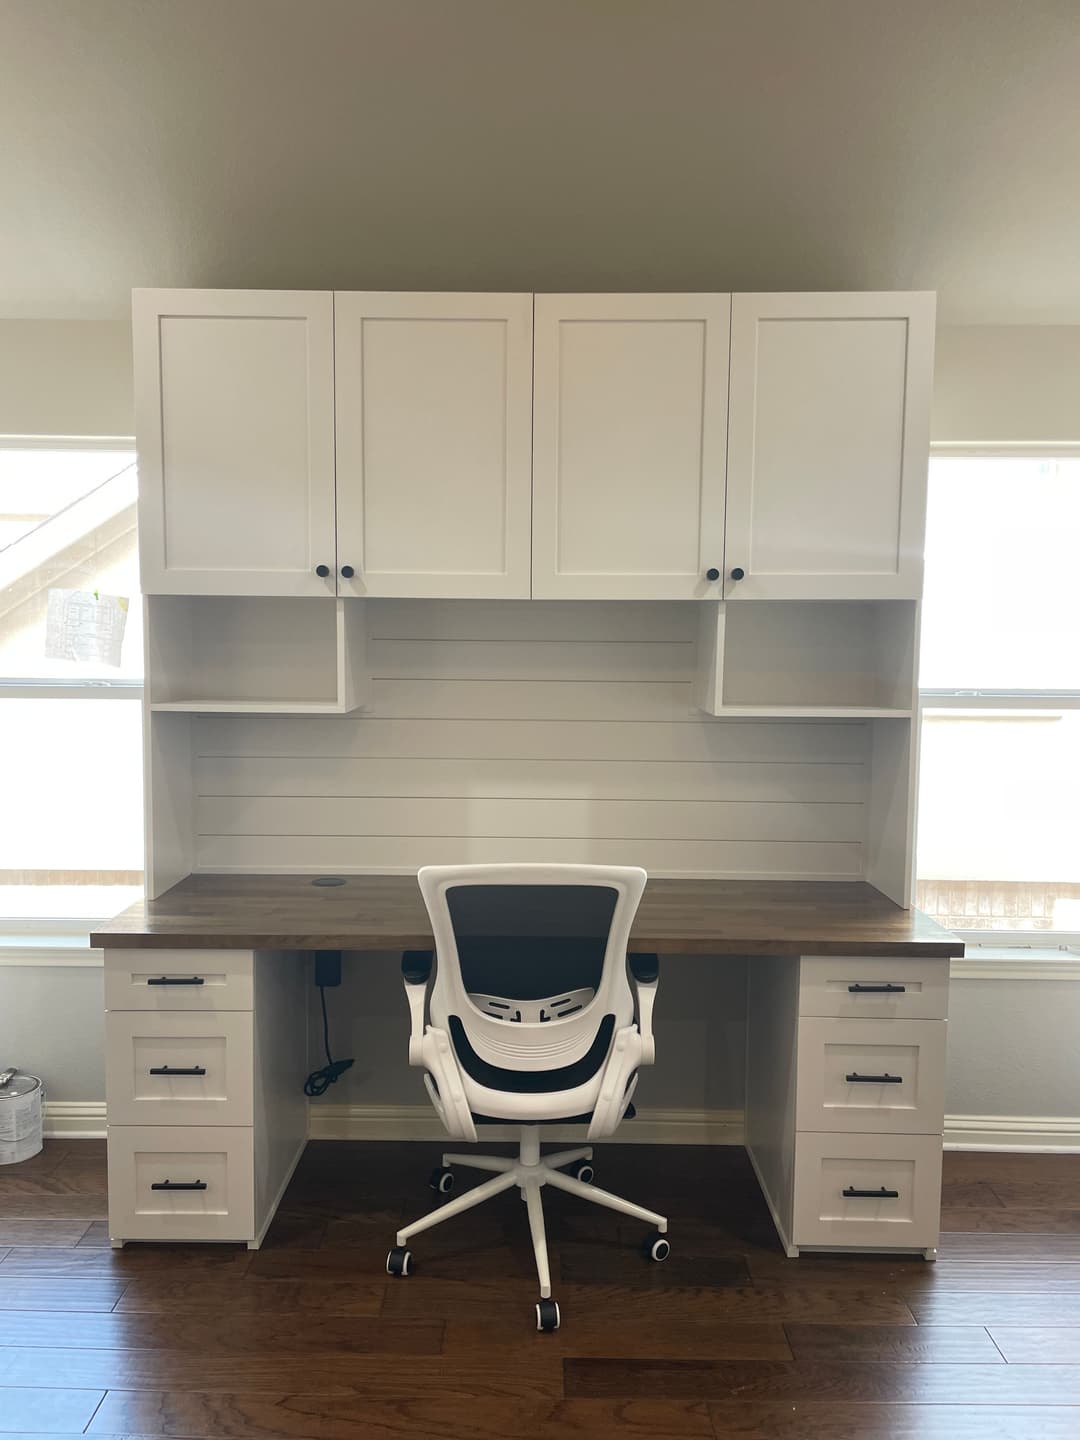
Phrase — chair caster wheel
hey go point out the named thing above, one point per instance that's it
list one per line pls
(399, 1261)
(583, 1171)
(547, 1315)
(656, 1246)
(442, 1180)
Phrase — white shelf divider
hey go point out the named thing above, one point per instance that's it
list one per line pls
(353, 675)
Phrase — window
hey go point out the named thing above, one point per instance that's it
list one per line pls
(70, 679)
(999, 787)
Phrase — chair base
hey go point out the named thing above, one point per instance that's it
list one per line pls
(530, 1173)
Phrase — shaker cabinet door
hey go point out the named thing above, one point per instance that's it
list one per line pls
(234, 400)
(434, 419)
(629, 440)
(828, 442)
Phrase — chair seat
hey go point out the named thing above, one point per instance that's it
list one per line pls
(566, 1120)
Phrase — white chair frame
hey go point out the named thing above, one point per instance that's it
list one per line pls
(628, 993)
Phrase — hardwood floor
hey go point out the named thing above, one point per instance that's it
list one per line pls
(309, 1338)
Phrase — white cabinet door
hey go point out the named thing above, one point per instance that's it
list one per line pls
(234, 408)
(630, 421)
(829, 438)
(433, 444)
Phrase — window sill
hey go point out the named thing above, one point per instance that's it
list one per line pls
(49, 947)
(1017, 962)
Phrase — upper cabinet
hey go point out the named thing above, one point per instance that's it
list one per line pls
(629, 442)
(455, 445)
(234, 398)
(434, 424)
(829, 427)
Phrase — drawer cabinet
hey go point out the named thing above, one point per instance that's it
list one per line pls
(880, 1191)
(884, 1076)
(184, 1068)
(205, 1057)
(845, 1098)
(186, 1183)
(179, 979)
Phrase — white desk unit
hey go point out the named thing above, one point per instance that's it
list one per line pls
(842, 982)
(452, 577)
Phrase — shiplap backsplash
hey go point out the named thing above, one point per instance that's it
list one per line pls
(529, 730)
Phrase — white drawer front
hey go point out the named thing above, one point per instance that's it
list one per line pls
(878, 1076)
(839, 1180)
(179, 979)
(874, 988)
(195, 1183)
(147, 1055)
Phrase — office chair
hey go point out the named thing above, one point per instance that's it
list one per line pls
(537, 1016)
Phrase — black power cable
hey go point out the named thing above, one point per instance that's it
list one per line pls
(319, 1081)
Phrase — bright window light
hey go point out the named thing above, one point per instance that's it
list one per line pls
(71, 670)
(1001, 605)
(999, 782)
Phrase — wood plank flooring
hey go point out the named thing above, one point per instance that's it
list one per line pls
(309, 1338)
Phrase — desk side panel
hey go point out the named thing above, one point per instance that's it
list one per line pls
(772, 1019)
(280, 1107)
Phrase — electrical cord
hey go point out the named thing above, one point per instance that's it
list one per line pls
(319, 1081)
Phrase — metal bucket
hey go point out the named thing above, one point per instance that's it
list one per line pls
(22, 1104)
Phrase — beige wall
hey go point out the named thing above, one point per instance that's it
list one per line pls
(1007, 384)
(65, 377)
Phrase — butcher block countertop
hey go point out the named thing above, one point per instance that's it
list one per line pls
(385, 912)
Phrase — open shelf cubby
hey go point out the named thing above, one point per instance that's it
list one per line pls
(255, 655)
(842, 658)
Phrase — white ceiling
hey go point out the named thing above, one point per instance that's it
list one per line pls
(542, 144)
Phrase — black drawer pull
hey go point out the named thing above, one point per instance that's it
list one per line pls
(856, 1079)
(178, 1185)
(182, 1070)
(852, 1194)
(889, 989)
(176, 980)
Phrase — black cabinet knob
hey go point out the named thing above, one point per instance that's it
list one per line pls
(348, 571)
(737, 573)
(712, 574)
(322, 571)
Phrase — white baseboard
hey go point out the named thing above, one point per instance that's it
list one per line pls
(85, 1119)
(419, 1122)
(1055, 1133)
(75, 1119)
